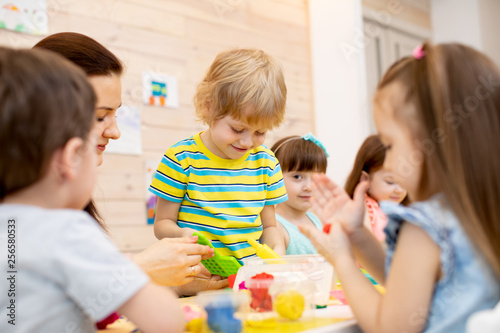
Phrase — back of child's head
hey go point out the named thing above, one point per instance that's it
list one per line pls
(239, 80)
(449, 100)
(370, 158)
(83, 51)
(44, 101)
(296, 154)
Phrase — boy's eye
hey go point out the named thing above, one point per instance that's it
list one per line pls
(237, 131)
(297, 176)
(389, 182)
(100, 119)
(260, 133)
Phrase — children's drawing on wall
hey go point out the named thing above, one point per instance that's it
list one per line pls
(129, 123)
(150, 168)
(159, 89)
(26, 16)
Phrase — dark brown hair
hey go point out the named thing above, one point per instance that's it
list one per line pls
(44, 101)
(84, 51)
(296, 154)
(370, 158)
(94, 59)
(455, 120)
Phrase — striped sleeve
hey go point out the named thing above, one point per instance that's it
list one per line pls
(170, 180)
(276, 192)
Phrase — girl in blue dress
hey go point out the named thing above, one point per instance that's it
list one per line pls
(438, 115)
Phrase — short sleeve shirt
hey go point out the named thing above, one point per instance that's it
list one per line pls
(222, 198)
(68, 274)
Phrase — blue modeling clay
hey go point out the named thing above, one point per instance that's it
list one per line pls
(220, 318)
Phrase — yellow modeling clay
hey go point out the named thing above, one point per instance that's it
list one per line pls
(290, 304)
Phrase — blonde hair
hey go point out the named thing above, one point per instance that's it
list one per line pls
(238, 80)
(454, 93)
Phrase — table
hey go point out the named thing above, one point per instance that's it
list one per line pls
(332, 319)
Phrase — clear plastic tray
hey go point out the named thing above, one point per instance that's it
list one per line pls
(294, 269)
(279, 298)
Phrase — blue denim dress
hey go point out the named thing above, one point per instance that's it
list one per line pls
(467, 285)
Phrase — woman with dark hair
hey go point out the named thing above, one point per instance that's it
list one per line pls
(104, 72)
(171, 262)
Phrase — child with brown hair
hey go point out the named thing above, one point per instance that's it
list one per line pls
(223, 182)
(65, 274)
(368, 166)
(437, 114)
(300, 157)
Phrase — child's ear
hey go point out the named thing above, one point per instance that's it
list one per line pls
(364, 176)
(68, 158)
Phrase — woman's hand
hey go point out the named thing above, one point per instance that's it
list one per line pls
(333, 205)
(201, 282)
(173, 261)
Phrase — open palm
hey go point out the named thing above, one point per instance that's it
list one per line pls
(333, 205)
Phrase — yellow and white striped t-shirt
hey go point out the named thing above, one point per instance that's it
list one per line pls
(222, 198)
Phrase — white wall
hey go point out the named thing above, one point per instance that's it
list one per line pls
(338, 66)
(472, 22)
(489, 12)
(456, 21)
(339, 43)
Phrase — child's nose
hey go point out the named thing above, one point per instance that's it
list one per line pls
(246, 141)
(307, 184)
(398, 189)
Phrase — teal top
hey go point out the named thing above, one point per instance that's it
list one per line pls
(298, 243)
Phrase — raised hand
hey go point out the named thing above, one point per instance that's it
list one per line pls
(333, 245)
(333, 205)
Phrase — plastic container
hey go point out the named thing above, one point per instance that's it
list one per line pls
(279, 299)
(221, 306)
(311, 270)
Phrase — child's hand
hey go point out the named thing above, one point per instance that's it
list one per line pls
(332, 245)
(332, 204)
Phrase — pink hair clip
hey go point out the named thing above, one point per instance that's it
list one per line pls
(418, 52)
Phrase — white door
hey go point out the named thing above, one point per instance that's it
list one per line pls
(383, 47)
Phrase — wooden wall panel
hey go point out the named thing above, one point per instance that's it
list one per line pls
(179, 38)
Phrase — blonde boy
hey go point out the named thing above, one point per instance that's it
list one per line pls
(222, 181)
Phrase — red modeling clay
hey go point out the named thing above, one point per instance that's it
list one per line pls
(326, 228)
(261, 300)
(230, 280)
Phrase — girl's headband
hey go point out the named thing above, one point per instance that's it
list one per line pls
(308, 137)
